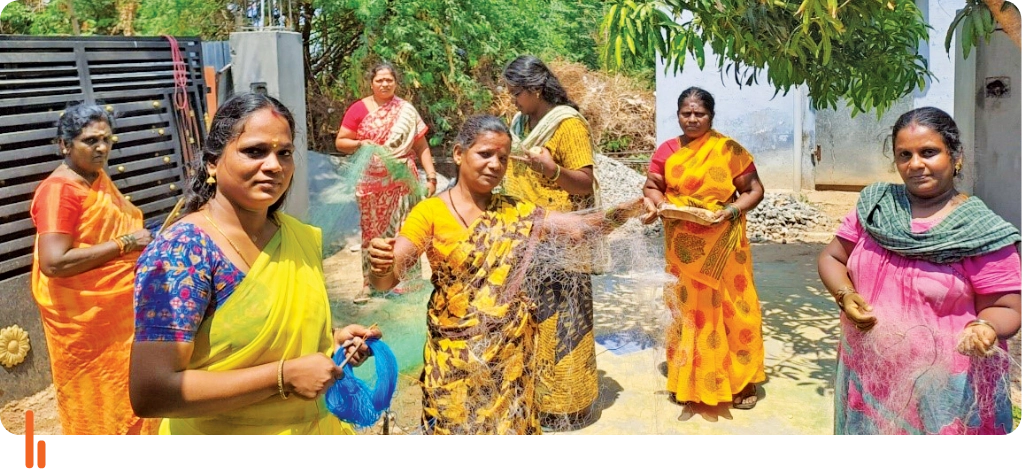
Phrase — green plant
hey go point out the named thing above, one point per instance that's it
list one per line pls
(616, 144)
(863, 51)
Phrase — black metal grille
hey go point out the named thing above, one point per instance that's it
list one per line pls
(133, 79)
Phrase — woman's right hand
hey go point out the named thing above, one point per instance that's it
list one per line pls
(381, 255)
(855, 308)
(650, 211)
(311, 375)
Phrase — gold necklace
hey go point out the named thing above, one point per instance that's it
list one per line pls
(205, 213)
(455, 207)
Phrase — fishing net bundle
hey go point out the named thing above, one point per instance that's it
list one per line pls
(353, 400)
(903, 377)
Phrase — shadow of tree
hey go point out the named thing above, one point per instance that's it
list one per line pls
(800, 324)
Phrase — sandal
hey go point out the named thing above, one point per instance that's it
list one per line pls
(741, 400)
(363, 297)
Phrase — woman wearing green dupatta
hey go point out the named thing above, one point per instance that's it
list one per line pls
(927, 280)
(553, 169)
(232, 324)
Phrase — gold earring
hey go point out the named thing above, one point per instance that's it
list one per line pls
(211, 179)
(958, 168)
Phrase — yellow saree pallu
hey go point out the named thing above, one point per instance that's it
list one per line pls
(479, 354)
(279, 311)
(89, 321)
(715, 345)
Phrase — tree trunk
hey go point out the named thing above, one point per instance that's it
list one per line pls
(74, 18)
(1009, 20)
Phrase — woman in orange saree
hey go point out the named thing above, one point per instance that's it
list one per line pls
(88, 239)
(715, 345)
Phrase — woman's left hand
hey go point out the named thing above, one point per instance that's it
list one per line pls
(430, 188)
(352, 339)
(978, 340)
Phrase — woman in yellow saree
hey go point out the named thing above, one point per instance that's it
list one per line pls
(554, 170)
(89, 237)
(715, 345)
(480, 361)
(233, 331)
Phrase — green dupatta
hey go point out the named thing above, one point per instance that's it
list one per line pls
(970, 230)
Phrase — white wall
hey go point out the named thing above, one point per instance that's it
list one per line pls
(763, 124)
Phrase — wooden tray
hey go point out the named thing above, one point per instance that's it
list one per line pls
(692, 214)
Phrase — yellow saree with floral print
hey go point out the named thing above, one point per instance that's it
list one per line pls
(715, 344)
(479, 359)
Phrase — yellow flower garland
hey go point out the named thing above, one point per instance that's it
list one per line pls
(14, 345)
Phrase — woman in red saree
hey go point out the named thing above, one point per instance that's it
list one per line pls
(385, 120)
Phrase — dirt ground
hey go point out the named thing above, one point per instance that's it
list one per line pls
(343, 282)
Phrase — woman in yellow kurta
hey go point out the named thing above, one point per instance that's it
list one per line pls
(233, 330)
(555, 171)
(480, 368)
(88, 240)
(715, 345)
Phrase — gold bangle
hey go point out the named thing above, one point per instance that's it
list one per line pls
(130, 242)
(557, 174)
(280, 380)
(982, 322)
(120, 245)
(842, 292)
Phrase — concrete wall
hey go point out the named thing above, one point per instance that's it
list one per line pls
(996, 149)
(274, 59)
(18, 307)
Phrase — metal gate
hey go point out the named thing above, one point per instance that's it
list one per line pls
(134, 79)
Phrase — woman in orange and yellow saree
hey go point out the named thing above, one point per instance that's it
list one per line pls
(715, 344)
(480, 360)
(89, 237)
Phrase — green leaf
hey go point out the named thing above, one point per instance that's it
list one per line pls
(967, 37)
(951, 30)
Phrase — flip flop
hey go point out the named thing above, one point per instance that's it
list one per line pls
(739, 401)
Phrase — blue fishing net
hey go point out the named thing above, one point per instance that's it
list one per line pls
(352, 400)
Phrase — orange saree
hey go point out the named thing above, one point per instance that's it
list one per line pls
(715, 345)
(88, 318)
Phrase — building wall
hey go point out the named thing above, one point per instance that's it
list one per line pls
(852, 147)
(997, 150)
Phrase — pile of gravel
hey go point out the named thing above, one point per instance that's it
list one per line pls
(782, 217)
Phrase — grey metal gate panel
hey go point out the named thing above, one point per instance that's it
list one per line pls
(131, 77)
